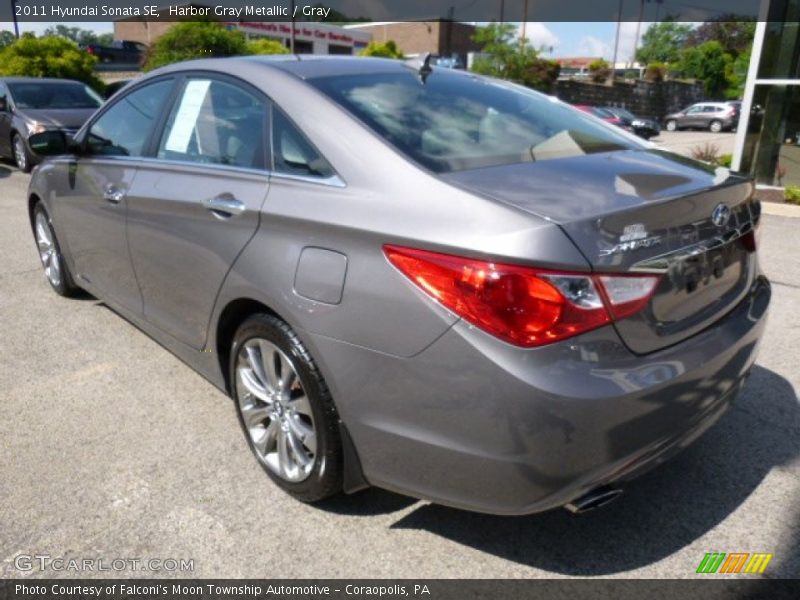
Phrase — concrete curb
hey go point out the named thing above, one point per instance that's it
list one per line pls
(780, 210)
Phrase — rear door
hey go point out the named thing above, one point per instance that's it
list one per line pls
(195, 204)
(694, 116)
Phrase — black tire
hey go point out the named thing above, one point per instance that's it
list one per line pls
(715, 126)
(66, 283)
(671, 125)
(326, 475)
(23, 159)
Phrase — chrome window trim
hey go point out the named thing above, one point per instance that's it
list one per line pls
(332, 181)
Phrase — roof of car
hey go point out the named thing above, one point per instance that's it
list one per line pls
(309, 66)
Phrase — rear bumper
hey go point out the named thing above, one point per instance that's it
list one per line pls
(475, 423)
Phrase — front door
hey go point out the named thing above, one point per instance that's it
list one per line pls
(92, 204)
(5, 122)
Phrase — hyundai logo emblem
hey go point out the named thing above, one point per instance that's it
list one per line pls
(721, 215)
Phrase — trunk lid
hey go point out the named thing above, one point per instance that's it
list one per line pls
(644, 211)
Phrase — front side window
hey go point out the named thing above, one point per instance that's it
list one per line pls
(123, 129)
(453, 121)
(215, 122)
(43, 95)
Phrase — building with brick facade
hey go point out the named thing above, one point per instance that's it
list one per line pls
(440, 37)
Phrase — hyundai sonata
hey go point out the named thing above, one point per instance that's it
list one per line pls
(413, 278)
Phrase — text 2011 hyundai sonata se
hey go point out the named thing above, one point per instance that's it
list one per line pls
(413, 278)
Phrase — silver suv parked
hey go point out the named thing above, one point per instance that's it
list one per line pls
(714, 116)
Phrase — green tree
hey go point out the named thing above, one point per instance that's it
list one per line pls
(49, 56)
(6, 38)
(266, 46)
(195, 39)
(710, 63)
(737, 75)
(663, 42)
(735, 35)
(82, 37)
(386, 49)
(505, 57)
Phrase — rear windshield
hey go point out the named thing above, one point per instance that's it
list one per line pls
(455, 121)
(38, 94)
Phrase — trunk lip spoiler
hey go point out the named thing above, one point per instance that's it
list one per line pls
(661, 263)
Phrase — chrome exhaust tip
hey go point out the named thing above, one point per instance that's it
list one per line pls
(593, 500)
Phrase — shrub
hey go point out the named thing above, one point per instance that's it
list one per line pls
(266, 46)
(656, 71)
(195, 39)
(386, 49)
(599, 70)
(792, 194)
(725, 160)
(708, 153)
(48, 56)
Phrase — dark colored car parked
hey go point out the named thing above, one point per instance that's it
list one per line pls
(602, 113)
(120, 52)
(30, 105)
(643, 127)
(415, 278)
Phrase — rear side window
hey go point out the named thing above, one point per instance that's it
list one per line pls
(453, 121)
(123, 129)
(216, 122)
(292, 153)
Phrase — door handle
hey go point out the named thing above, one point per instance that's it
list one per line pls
(225, 207)
(113, 194)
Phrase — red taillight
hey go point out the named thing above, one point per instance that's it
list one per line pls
(521, 305)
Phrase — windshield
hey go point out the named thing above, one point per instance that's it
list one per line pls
(455, 121)
(42, 94)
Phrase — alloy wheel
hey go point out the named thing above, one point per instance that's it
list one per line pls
(20, 155)
(48, 251)
(275, 410)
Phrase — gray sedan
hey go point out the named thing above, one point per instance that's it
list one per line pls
(413, 278)
(31, 105)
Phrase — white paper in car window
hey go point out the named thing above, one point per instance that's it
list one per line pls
(185, 120)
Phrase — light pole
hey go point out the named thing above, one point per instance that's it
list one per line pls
(14, 17)
(616, 46)
(291, 36)
(638, 31)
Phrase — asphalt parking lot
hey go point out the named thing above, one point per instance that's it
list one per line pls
(113, 449)
(683, 142)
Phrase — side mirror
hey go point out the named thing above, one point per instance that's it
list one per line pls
(3, 104)
(49, 143)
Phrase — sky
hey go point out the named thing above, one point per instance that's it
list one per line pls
(595, 39)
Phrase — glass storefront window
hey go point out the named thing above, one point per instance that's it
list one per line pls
(780, 56)
(772, 144)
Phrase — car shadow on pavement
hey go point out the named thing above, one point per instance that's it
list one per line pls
(370, 502)
(4, 171)
(661, 512)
